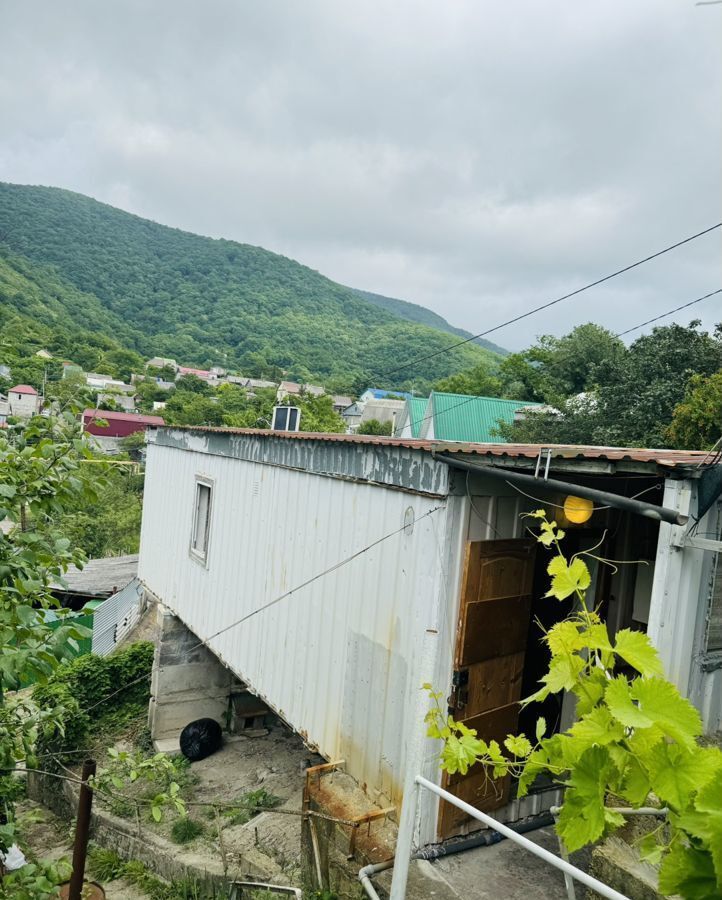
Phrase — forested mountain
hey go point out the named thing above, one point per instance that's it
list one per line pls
(38, 311)
(162, 291)
(415, 313)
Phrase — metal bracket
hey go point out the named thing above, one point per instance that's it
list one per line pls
(362, 820)
(548, 463)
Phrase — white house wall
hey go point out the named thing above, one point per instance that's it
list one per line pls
(336, 659)
(679, 605)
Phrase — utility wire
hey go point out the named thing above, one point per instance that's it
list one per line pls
(537, 309)
(276, 600)
(304, 584)
(671, 311)
(416, 422)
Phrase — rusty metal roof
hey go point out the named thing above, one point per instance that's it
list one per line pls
(494, 452)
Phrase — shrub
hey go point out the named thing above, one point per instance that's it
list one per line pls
(126, 667)
(71, 727)
(94, 689)
(185, 830)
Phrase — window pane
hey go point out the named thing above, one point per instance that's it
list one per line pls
(200, 525)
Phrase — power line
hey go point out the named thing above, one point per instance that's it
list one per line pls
(671, 311)
(304, 584)
(276, 600)
(684, 306)
(537, 309)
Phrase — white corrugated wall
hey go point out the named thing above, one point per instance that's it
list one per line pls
(336, 659)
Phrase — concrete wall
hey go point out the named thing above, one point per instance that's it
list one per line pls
(188, 681)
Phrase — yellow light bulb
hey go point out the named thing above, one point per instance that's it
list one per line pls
(578, 509)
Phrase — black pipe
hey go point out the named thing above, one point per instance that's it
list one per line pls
(604, 498)
(483, 838)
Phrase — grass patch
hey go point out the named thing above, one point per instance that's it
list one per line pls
(185, 830)
(106, 866)
(249, 805)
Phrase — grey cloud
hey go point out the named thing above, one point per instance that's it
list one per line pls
(476, 158)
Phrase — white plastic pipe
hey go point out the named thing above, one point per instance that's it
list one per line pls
(566, 867)
(364, 876)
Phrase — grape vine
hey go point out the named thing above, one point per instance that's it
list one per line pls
(634, 743)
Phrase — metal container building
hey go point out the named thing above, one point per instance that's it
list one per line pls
(333, 574)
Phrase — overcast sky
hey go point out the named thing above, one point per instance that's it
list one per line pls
(478, 158)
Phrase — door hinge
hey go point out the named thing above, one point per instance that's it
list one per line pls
(459, 690)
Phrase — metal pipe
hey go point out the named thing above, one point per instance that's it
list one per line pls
(604, 498)
(482, 839)
(414, 762)
(660, 811)
(602, 889)
(365, 874)
(430, 854)
(82, 829)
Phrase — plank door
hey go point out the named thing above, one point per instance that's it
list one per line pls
(489, 661)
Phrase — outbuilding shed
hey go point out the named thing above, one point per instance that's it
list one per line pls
(335, 574)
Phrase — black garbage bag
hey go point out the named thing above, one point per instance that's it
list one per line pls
(200, 739)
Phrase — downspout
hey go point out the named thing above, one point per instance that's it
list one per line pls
(604, 498)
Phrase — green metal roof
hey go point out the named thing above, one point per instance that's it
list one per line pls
(417, 411)
(461, 418)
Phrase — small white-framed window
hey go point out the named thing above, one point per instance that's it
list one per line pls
(201, 526)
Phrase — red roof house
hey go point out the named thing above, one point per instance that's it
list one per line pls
(120, 424)
(23, 389)
(199, 373)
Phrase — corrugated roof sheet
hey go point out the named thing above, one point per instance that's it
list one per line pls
(417, 411)
(112, 416)
(101, 576)
(494, 452)
(457, 417)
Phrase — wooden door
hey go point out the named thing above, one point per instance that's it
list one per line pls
(489, 661)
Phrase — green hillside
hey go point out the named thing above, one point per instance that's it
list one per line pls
(423, 316)
(38, 311)
(161, 291)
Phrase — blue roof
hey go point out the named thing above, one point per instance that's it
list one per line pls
(379, 394)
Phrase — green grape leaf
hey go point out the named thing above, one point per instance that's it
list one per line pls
(564, 637)
(517, 745)
(689, 872)
(708, 802)
(597, 727)
(636, 649)
(635, 782)
(660, 701)
(563, 672)
(460, 753)
(567, 578)
(583, 818)
(650, 850)
(673, 773)
(596, 637)
(589, 690)
(536, 763)
(618, 697)
(541, 727)
(613, 819)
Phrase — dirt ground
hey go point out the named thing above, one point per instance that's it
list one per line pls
(51, 839)
(275, 763)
